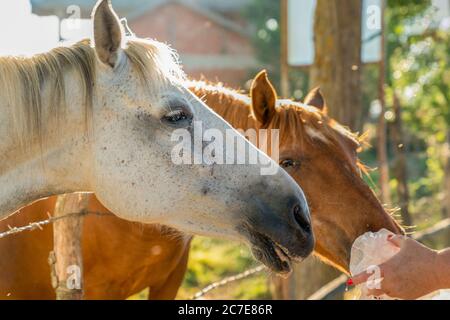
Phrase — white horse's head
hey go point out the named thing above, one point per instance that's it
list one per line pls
(138, 101)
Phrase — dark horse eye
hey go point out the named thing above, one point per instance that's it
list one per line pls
(288, 163)
(176, 116)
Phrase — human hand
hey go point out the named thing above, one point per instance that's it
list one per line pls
(410, 274)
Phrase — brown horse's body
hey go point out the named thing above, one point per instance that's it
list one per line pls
(118, 255)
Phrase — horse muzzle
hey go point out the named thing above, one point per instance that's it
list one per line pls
(278, 240)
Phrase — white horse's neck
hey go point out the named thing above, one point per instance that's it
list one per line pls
(58, 166)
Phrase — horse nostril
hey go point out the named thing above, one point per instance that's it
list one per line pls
(301, 220)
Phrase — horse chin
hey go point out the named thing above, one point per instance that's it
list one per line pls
(271, 254)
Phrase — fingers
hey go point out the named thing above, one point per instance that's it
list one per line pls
(359, 278)
(369, 274)
(372, 287)
(397, 240)
(372, 283)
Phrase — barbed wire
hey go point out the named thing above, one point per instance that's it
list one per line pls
(39, 224)
(227, 280)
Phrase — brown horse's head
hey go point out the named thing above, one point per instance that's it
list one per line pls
(321, 156)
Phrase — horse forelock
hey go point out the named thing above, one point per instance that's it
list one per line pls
(157, 63)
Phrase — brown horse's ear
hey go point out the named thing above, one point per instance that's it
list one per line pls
(108, 33)
(315, 99)
(264, 98)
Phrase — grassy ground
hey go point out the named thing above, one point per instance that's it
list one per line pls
(212, 260)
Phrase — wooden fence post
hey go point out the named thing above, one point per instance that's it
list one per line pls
(66, 260)
(305, 279)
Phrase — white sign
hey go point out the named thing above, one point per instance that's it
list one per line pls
(301, 31)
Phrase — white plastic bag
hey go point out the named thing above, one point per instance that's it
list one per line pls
(368, 251)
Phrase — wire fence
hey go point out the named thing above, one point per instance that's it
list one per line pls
(39, 224)
(228, 280)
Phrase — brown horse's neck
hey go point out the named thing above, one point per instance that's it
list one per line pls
(229, 104)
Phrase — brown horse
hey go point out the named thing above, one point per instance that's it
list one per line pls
(122, 258)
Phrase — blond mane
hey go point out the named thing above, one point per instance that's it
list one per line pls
(22, 81)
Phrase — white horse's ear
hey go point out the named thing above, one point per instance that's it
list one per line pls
(108, 33)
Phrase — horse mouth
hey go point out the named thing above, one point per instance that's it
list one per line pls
(272, 254)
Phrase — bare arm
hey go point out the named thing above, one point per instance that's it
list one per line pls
(444, 268)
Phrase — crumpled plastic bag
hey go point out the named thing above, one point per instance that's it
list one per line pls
(370, 250)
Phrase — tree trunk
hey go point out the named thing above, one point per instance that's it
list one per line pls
(66, 258)
(337, 70)
(400, 167)
(382, 155)
(337, 64)
(284, 67)
(446, 211)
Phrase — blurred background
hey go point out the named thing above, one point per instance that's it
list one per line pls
(383, 67)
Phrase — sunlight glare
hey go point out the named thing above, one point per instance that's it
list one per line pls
(24, 33)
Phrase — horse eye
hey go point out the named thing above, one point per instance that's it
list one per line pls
(288, 163)
(177, 116)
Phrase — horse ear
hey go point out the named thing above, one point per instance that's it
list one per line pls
(108, 33)
(315, 99)
(264, 98)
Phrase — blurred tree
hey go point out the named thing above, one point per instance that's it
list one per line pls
(419, 52)
(382, 155)
(337, 63)
(264, 18)
(400, 165)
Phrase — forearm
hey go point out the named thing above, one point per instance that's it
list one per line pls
(443, 269)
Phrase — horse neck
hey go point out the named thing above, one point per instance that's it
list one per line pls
(232, 106)
(52, 165)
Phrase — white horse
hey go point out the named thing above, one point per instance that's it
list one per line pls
(99, 119)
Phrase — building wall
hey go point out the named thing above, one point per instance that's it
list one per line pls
(205, 47)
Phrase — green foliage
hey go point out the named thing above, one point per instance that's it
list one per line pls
(420, 73)
(253, 288)
(264, 16)
(212, 260)
(401, 15)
